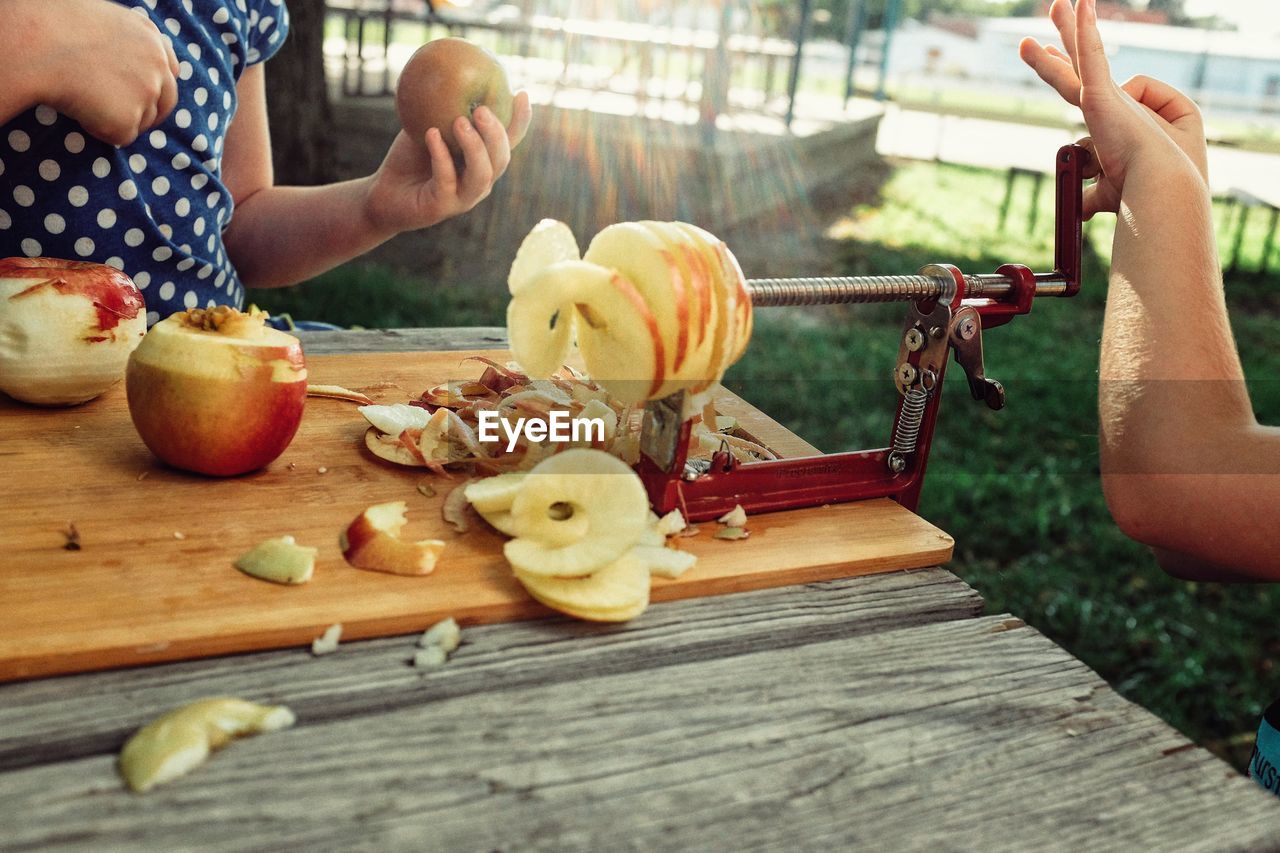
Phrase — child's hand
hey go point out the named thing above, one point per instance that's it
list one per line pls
(1143, 119)
(416, 189)
(102, 64)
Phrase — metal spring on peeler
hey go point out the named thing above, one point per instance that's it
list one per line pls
(907, 432)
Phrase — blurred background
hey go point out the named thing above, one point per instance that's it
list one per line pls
(826, 137)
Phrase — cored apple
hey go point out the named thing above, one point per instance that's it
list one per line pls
(66, 329)
(447, 78)
(216, 391)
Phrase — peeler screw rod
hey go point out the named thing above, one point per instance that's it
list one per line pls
(778, 292)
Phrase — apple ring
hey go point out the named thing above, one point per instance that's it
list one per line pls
(576, 512)
(615, 593)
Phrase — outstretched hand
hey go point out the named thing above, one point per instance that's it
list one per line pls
(416, 187)
(1143, 118)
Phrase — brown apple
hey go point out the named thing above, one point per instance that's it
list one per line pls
(66, 329)
(447, 78)
(216, 391)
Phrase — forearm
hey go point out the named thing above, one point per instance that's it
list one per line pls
(283, 235)
(18, 85)
(1186, 468)
(1169, 369)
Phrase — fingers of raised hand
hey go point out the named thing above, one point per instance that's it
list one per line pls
(1091, 56)
(1161, 98)
(1064, 18)
(1054, 70)
(1101, 197)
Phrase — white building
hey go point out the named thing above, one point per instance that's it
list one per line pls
(1231, 70)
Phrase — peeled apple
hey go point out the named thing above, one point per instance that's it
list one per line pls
(66, 329)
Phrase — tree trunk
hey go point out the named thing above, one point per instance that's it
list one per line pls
(298, 100)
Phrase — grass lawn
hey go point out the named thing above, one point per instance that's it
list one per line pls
(1019, 488)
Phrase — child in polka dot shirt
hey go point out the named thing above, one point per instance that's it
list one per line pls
(134, 133)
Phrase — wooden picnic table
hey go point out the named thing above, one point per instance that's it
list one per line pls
(886, 710)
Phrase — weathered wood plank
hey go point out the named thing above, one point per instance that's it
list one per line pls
(39, 723)
(954, 735)
(404, 340)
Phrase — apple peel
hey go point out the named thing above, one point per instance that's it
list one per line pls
(337, 392)
(372, 542)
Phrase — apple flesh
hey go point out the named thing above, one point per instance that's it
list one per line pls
(447, 78)
(66, 329)
(216, 392)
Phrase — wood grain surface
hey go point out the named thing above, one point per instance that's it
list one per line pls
(153, 580)
(957, 735)
(38, 723)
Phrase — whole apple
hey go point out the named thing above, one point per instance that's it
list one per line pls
(216, 391)
(447, 78)
(66, 329)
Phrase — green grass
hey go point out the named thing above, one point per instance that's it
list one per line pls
(1019, 488)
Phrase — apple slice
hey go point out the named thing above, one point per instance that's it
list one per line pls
(550, 242)
(499, 520)
(576, 512)
(702, 255)
(279, 560)
(633, 250)
(621, 343)
(540, 318)
(677, 245)
(664, 562)
(497, 493)
(737, 298)
(396, 418)
(617, 592)
(372, 542)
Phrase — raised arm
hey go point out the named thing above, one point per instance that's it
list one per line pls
(282, 235)
(1186, 468)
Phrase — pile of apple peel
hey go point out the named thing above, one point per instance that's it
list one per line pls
(583, 540)
(440, 429)
(653, 307)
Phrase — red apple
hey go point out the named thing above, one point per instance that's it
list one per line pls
(217, 392)
(66, 329)
(447, 78)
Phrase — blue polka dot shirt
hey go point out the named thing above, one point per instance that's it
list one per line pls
(156, 208)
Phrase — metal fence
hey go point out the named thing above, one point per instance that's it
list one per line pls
(708, 59)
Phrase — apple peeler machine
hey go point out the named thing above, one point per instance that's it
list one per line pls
(948, 312)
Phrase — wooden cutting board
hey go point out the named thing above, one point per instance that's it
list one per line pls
(153, 579)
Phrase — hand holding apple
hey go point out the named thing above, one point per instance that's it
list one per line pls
(216, 391)
(457, 140)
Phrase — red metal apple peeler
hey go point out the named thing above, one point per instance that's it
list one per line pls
(949, 311)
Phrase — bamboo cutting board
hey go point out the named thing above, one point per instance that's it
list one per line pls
(153, 579)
